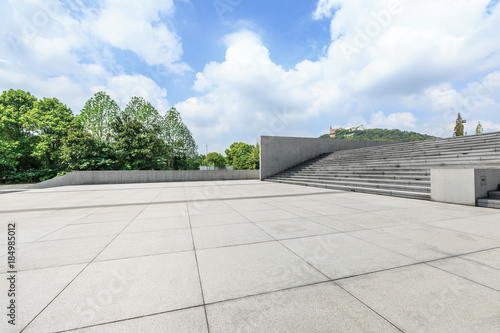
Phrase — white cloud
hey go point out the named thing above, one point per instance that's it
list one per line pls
(324, 8)
(399, 120)
(249, 93)
(136, 26)
(65, 49)
(121, 88)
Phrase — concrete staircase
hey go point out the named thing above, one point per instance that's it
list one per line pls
(493, 200)
(401, 169)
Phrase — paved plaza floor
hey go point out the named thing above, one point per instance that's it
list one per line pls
(246, 256)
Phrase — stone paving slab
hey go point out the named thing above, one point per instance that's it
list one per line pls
(247, 256)
(323, 307)
(119, 289)
(421, 298)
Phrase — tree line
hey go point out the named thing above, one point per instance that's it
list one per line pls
(42, 138)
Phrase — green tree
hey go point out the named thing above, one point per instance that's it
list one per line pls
(179, 141)
(140, 109)
(83, 151)
(98, 112)
(255, 157)
(138, 147)
(479, 128)
(216, 159)
(51, 121)
(242, 156)
(459, 127)
(16, 141)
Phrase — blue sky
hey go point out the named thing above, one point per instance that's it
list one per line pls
(237, 69)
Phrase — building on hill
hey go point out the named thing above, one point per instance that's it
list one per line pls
(359, 128)
(332, 132)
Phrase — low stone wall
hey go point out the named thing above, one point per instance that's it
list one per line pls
(127, 177)
(463, 186)
(280, 153)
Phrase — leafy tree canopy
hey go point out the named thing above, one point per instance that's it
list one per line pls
(216, 159)
(177, 135)
(243, 156)
(459, 127)
(97, 114)
(140, 109)
(479, 128)
(16, 142)
(138, 147)
(82, 151)
(51, 121)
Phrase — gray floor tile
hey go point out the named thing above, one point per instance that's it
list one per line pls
(482, 267)
(292, 228)
(188, 321)
(341, 255)
(59, 252)
(218, 236)
(416, 215)
(108, 217)
(147, 243)
(323, 307)
(209, 207)
(244, 270)
(86, 230)
(333, 222)
(425, 299)
(268, 215)
(248, 205)
(485, 225)
(121, 289)
(441, 240)
(334, 210)
(406, 247)
(36, 289)
(156, 224)
(370, 221)
(163, 210)
(217, 219)
(29, 234)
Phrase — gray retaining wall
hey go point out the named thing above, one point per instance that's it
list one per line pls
(463, 185)
(280, 153)
(127, 177)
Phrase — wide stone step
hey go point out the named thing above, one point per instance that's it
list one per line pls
(374, 171)
(396, 193)
(491, 148)
(386, 186)
(358, 176)
(413, 159)
(494, 194)
(489, 203)
(411, 165)
(358, 180)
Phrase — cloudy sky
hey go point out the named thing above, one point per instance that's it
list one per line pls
(238, 69)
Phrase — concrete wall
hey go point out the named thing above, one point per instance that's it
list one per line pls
(280, 153)
(127, 177)
(463, 186)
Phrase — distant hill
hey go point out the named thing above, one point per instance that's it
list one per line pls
(379, 134)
